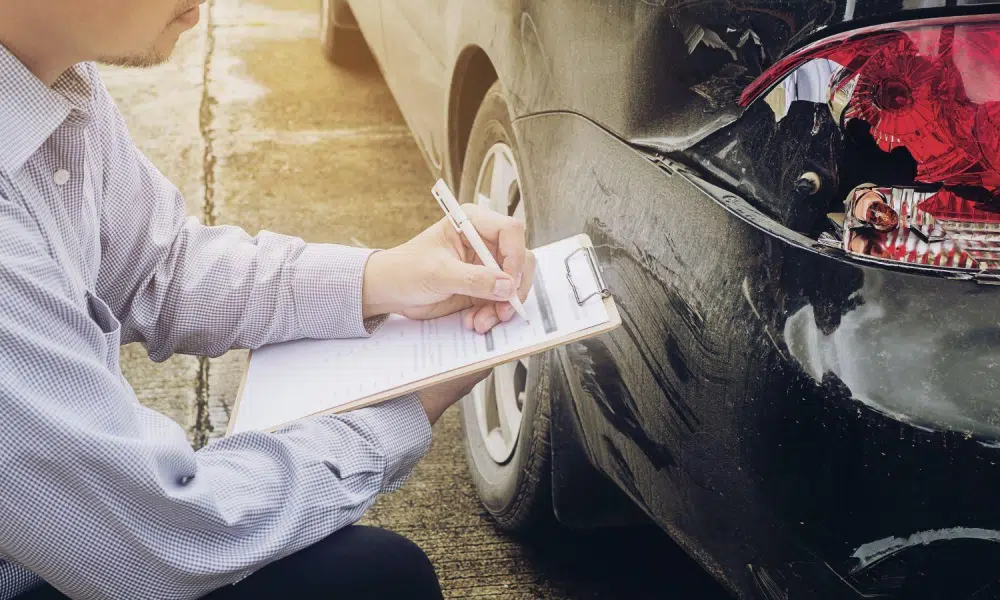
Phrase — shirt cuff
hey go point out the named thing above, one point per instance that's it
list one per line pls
(327, 284)
(403, 431)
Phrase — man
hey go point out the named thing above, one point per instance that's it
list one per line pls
(101, 497)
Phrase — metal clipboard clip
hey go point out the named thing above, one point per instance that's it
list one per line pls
(602, 288)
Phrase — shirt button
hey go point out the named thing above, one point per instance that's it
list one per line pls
(60, 177)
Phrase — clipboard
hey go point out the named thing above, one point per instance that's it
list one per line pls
(585, 253)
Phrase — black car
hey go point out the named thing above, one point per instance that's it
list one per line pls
(795, 204)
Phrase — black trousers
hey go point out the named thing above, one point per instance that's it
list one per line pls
(363, 563)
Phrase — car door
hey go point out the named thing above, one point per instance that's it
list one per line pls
(416, 35)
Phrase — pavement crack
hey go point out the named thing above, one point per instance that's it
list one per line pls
(202, 421)
(206, 115)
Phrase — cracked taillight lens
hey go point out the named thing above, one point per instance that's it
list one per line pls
(930, 89)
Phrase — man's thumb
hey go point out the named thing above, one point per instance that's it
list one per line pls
(478, 281)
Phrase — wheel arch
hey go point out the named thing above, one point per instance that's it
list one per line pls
(472, 77)
(582, 496)
(343, 14)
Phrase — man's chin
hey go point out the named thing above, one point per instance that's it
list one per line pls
(155, 54)
(150, 58)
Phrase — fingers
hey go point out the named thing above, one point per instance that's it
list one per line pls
(455, 239)
(477, 281)
(453, 304)
(469, 317)
(486, 318)
(505, 311)
(501, 232)
(505, 238)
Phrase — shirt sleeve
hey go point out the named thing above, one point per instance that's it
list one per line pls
(104, 498)
(179, 286)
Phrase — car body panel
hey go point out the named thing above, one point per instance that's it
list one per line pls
(740, 403)
(417, 74)
(805, 426)
(646, 79)
(420, 66)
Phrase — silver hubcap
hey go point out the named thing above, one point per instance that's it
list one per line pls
(499, 400)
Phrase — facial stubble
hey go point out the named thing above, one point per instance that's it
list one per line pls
(152, 55)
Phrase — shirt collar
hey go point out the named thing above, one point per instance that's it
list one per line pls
(30, 112)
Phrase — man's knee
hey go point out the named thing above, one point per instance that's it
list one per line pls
(396, 563)
(360, 563)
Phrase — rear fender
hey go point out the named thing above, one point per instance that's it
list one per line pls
(582, 496)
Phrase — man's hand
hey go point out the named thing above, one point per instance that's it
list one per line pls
(437, 273)
(438, 398)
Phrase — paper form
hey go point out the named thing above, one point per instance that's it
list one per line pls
(288, 381)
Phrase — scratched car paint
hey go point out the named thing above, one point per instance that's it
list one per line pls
(804, 424)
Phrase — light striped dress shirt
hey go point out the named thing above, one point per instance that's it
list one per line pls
(100, 496)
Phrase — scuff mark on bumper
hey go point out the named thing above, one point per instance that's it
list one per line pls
(872, 552)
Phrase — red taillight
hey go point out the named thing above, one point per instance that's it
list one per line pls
(930, 87)
(896, 93)
(987, 128)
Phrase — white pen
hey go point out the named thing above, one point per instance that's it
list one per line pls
(453, 210)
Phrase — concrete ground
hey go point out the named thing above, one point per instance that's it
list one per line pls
(258, 130)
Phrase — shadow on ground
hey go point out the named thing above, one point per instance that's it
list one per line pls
(637, 564)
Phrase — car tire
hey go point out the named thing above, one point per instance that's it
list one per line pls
(517, 491)
(341, 39)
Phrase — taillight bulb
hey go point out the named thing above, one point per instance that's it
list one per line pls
(892, 94)
(872, 209)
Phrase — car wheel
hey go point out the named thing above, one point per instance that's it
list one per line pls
(505, 419)
(340, 36)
